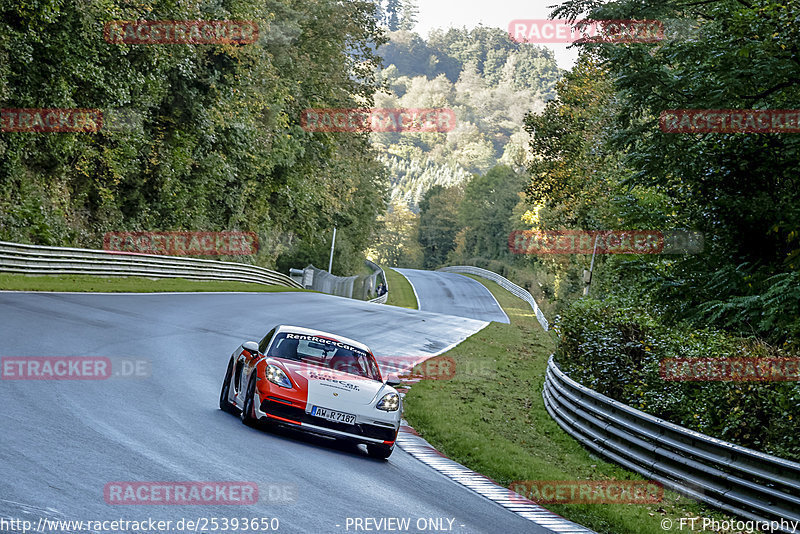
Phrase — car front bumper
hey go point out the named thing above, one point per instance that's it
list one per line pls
(377, 432)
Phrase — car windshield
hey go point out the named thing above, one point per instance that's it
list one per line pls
(325, 352)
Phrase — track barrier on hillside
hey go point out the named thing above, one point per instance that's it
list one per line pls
(506, 284)
(753, 485)
(361, 287)
(747, 483)
(44, 260)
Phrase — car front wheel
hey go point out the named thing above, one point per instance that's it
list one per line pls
(248, 414)
(224, 404)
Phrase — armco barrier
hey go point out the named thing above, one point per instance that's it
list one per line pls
(746, 483)
(741, 481)
(325, 282)
(378, 273)
(358, 287)
(506, 284)
(33, 259)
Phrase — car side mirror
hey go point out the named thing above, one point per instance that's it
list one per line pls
(393, 381)
(250, 346)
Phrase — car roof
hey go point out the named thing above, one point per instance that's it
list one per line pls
(283, 329)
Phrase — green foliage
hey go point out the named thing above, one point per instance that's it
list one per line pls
(491, 417)
(392, 10)
(578, 182)
(413, 57)
(739, 189)
(497, 58)
(396, 242)
(219, 145)
(576, 178)
(776, 310)
(485, 212)
(490, 82)
(470, 220)
(410, 12)
(600, 162)
(490, 104)
(412, 177)
(439, 224)
(616, 347)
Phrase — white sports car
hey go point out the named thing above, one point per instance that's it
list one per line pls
(317, 382)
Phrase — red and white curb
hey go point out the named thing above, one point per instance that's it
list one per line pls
(416, 446)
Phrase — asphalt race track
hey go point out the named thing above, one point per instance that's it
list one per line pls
(62, 441)
(454, 294)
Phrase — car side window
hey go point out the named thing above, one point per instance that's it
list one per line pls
(262, 347)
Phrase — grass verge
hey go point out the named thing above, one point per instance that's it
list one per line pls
(400, 291)
(491, 418)
(131, 284)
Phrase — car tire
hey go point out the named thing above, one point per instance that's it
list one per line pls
(381, 452)
(248, 409)
(224, 403)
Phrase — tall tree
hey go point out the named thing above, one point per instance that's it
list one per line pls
(439, 224)
(219, 144)
(740, 189)
(393, 12)
(410, 12)
(485, 212)
(396, 243)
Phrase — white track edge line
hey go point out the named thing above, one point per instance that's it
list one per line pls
(423, 451)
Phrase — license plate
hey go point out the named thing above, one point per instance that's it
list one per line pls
(332, 415)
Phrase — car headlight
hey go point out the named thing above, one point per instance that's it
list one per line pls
(389, 403)
(278, 377)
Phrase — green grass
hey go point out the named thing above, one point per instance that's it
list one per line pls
(400, 291)
(491, 418)
(131, 284)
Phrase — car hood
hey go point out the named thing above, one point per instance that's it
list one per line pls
(329, 388)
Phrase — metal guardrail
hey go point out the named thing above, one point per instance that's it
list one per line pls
(379, 271)
(359, 287)
(506, 284)
(382, 299)
(42, 260)
(325, 282)
(741, 481)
